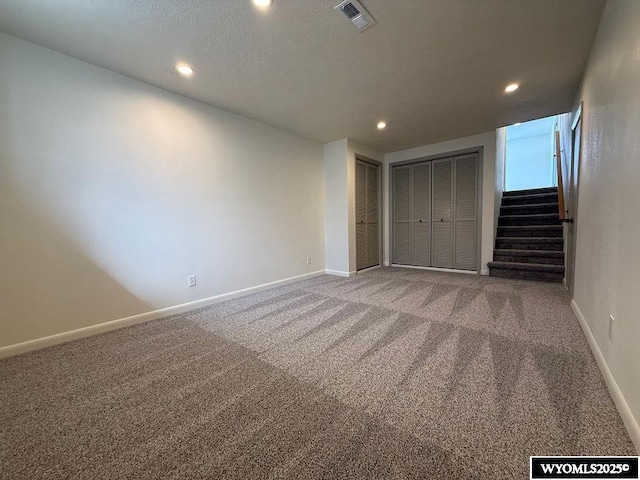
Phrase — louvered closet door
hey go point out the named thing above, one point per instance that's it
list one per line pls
(367, 209)
(442, 236)
(421, 214)
(465, 227)
(401, 215)
(373, 227)
(361, 214)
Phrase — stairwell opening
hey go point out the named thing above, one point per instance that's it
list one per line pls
(529, 155)
(529, 241)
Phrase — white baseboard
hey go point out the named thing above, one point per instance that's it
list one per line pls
(436, 269)
(38, 343)
(630, 422)
(340, 273)
(484, 271)
(386, 264)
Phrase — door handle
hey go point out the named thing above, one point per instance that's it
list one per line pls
(420, 220)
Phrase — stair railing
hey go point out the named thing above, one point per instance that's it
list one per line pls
(562, 212)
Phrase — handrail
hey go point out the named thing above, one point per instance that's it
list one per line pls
(561, 211)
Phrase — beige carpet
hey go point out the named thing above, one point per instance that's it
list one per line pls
(396, 373)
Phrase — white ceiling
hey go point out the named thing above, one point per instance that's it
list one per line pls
(432, 69)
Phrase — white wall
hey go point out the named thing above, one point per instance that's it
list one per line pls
(608, 240)
(501, 160)
(485, 140)
(336, 194)
(530, 162)
(113, 191)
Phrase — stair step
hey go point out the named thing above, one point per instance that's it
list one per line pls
(530, 199)
(530, 243)
(533, 231)
(527, 271)
(529, 209)
(529, 220)
(530, 191)
(548, 257)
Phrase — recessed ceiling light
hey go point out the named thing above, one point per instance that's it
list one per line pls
(185, 70)
(261, 3)
(516, 124)
(512, 87)
(381, 125)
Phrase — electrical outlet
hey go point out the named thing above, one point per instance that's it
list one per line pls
(191, 280)
(611, 326)
(308, 260)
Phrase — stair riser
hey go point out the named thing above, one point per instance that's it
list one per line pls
(531, 191)
(505, 244)
(529, 209)
(530, 232)
(530, 200)
(533, 259)
(526, 275)
(528, 220)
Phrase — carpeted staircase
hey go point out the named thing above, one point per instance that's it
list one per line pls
(529, 242)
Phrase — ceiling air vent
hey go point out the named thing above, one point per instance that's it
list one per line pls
(356, 13)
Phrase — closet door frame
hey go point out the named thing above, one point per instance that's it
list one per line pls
(442, 156)
(379, 166)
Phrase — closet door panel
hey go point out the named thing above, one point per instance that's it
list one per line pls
(361, 214)
(465, 213)
(442, 235)
(373, 228)
(421, 215)
(401, 215)
(442, 189)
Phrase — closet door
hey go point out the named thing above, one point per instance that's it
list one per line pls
(367, 208)
(442, 200)
(464, 245)
(421, 214)
(373, 227)
(361, 214)
(401, 215)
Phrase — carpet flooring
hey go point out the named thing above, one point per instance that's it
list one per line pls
(396, 373)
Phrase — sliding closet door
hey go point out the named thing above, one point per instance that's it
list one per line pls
(465, 227)
(441, 240)
(421, 214)
(367, 210)
(401, 215)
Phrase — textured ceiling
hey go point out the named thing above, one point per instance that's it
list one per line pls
(432, 69)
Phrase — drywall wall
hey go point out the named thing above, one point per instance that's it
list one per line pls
(530, 150)
(112, 192)
(488, 143)
(336, 195)
(498, 189)
(340, 203)
(607, 276)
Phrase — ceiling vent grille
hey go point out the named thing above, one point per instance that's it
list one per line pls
(356, 13)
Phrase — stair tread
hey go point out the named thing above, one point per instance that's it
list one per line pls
(530, 199)
(531, 205)
(528, 253)
(530, 191)
(530, 215)
(532, 239)
(538, 267)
